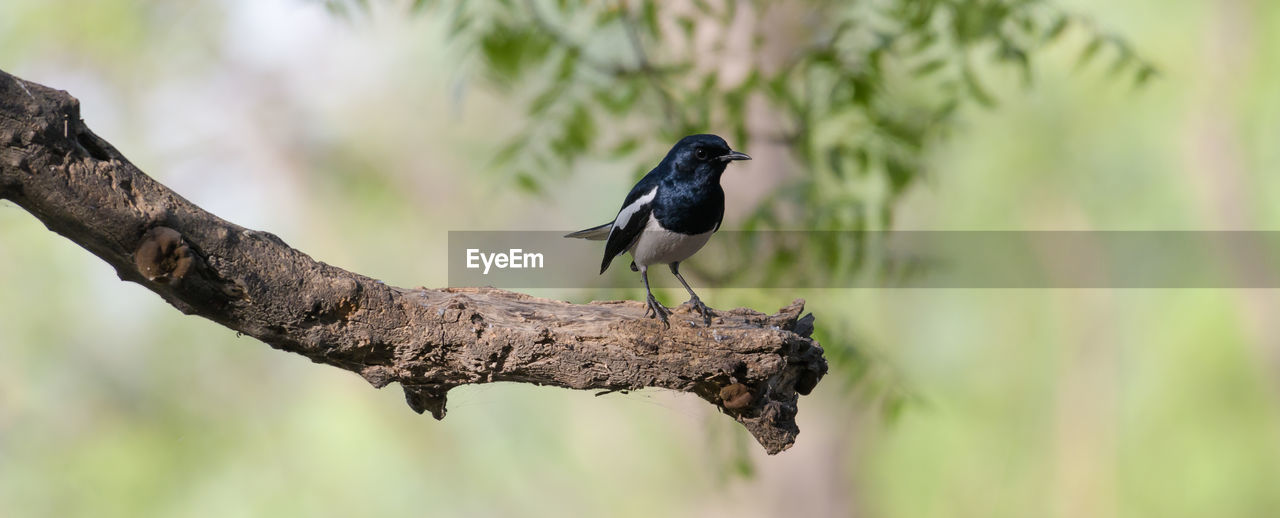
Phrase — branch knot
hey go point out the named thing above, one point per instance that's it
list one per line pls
(163, 257)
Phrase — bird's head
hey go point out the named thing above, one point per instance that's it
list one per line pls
(702, 156)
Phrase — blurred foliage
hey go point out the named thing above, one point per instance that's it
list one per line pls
(855, 97)
(1040, 402)
(855, 91)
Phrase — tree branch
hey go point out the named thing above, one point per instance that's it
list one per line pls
(750, 365)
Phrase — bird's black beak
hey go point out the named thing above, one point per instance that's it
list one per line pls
(734, 155)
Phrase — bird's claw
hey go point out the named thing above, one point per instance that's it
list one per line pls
(702, 309)
(655, 309)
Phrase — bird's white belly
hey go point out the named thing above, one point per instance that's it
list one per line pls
(657, 245)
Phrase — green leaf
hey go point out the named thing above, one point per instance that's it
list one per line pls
(929, 67)
(1124, 56)
(509, 151)
(568, 65)
(1027, 24)
(863, 159)
(578, 132)
(864, 90)
(1012, 54)
(687, 25)
(900, 173)
(835, 160)
(626, 147)
(609, 15)
(544, 100)
(902, 132)
(649, 10)
(923, 43)
(944, 112)
(708, 84)
(735, 104)
(891, 405)
(510, 49)
(618, 101)
(1089, 51)
(976, 90)
(459, 20)
(1144, 74)
(1056, 30)
(527, 183)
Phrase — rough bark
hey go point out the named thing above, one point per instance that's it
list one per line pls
(750, 365)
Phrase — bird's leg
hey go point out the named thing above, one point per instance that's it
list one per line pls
(694, 300)
(656, 309)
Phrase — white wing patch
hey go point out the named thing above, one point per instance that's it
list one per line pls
(625, 214)
(657, 245)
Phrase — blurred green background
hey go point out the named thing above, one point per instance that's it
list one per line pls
(362, 136)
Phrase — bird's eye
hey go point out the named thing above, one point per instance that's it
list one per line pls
(701, 153)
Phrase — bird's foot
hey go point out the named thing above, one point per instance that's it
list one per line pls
(702, 309)
(657, 310)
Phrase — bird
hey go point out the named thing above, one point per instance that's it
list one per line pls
(669, 215)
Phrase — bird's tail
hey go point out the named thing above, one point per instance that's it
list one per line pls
(599, 233)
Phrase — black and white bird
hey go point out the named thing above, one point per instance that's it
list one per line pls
(670, 214)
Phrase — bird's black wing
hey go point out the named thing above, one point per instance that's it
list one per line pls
(621, 238)
(719, 219)
(631, 219)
